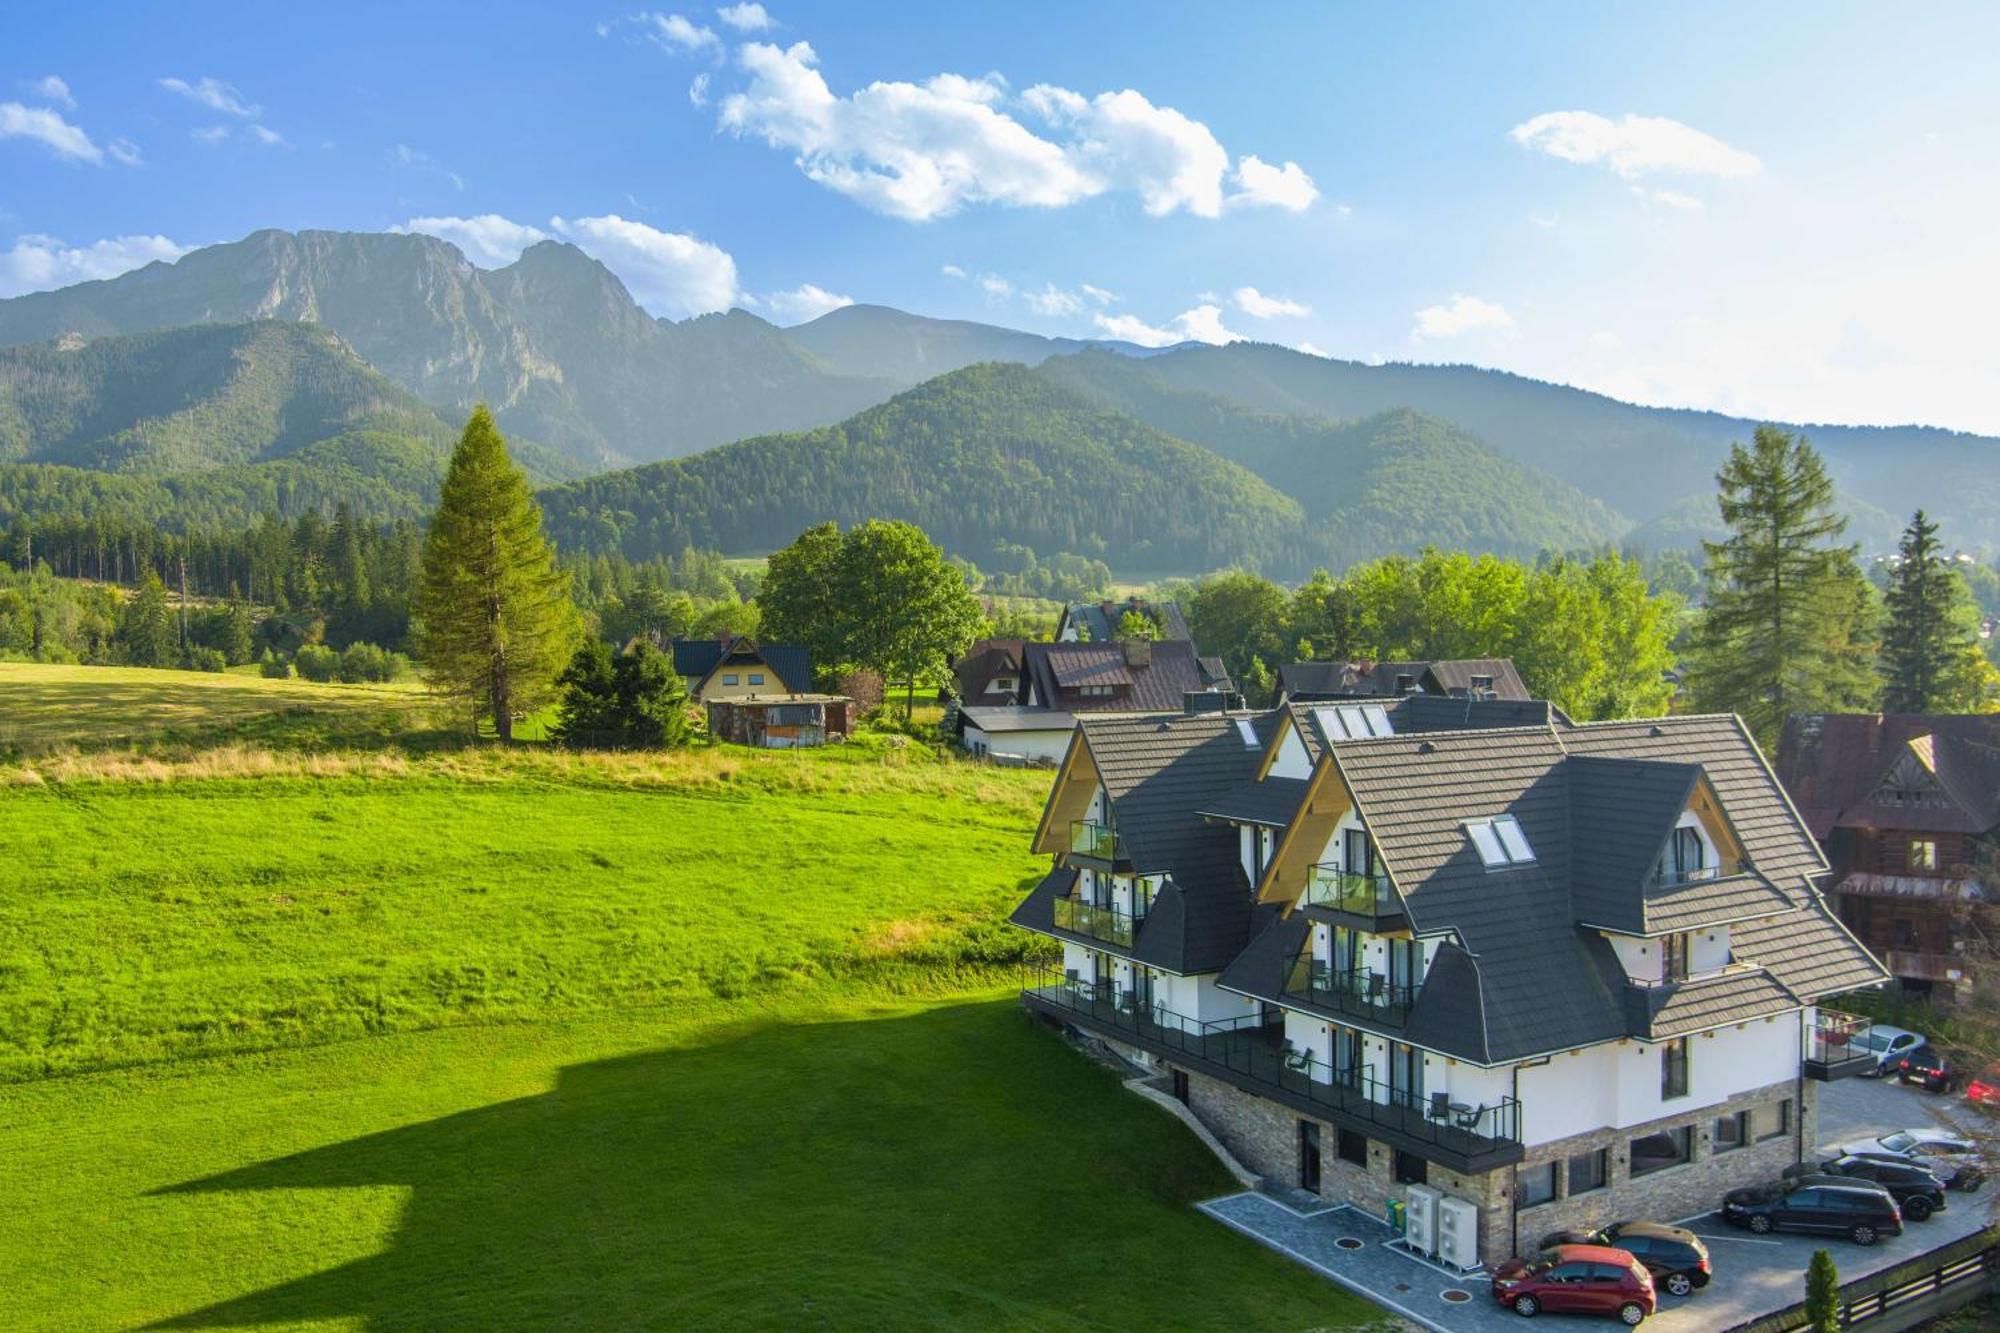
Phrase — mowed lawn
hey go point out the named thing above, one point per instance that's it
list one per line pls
(44, 706)
(473, 1039)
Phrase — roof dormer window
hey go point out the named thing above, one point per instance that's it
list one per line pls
(1499, 841)
(1354, 722)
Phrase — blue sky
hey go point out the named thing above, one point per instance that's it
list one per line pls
(1786, 212)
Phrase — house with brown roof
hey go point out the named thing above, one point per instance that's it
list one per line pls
(1060, 682)
(1457, 678)
(1907, 808)
(1462, 954)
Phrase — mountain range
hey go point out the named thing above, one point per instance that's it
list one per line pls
(333, 360)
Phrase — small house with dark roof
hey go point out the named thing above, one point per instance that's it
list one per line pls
(739, 667)
(1059, 682)
(1456, 678)
(1098, 622)
(1907, 809)
(1465, 948)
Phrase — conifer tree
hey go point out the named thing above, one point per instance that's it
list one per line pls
(497, 622)
(146, 627)
(1790, 625)
(1931, 630)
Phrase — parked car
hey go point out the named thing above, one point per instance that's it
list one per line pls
(1983, 1090)
(1675, 1257)
(1916, 1190)
(1952, 1158)
(1577, 1279)
(1927, 1065)
(1885, 1045)
(1862, 1213)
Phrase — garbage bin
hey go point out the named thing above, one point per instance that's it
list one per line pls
(1393, 1214)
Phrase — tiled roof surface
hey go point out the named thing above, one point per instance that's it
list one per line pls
(1706, 1002)
(1381, 679)
(1161, 686)
(1832, 762)
(1273, 802)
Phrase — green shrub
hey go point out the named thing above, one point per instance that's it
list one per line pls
(273, 667)
(1822, 1294)
(363, 662)
(201, 658)
(316, 661)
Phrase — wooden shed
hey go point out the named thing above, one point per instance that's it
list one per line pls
(781, 722)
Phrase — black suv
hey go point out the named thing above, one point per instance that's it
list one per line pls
(1676, 1258)
(1916, 1191)
(1862, 1213)
(1926, 1064)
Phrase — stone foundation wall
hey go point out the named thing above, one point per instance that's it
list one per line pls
(1263, 1134)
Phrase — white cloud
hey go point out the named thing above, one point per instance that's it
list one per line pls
(926, 150)
(995, 286)
(1634, 145)
(1686, 203)
(745, 17)
(698, 90)
(50, 88)
(669, 273)
(804, 302)
(489, 240)
(270, 138)
(1201, 324)
(677, 33)
(1099, 295)
(49, 128)
(124, 152)
(953, 271)
(1287, 187)
(1307, 348)
(42, 263)
(1259, 306)
(209, 134)
(1053, 302)
(215, 95)
(1463, 314)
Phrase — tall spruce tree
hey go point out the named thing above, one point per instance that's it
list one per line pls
(1790, 625)
(497, 621)
(1931, 630)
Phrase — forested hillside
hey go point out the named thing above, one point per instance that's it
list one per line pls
(982, 456)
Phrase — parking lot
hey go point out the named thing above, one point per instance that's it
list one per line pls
(1754, 1274)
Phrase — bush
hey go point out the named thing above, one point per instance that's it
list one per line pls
(317, 662)
(273, 667)
(363, 662)
(207, 659)
(1822, 1294)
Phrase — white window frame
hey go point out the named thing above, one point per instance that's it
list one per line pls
(1500, 842)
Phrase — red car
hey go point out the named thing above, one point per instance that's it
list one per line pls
(1577, 1279)
(1984, 1090)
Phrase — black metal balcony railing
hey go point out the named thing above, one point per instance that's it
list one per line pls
(1834, 1045)
(1097, 841)
(1253, 1055)
(1327, 885)
(1356, 992)
(1109, 924)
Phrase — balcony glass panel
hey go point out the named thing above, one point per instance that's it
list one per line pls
(1099, 841)
(1345, 891)
(1358, 992)
(1103, 923)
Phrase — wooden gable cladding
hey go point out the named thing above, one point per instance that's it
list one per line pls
(1326, 802)
(1708, 809)
(1076, 784)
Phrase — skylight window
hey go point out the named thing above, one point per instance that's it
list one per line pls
(1355, 722)
(1244, 730)
(1499, 841)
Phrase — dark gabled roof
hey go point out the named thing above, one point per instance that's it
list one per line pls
(1450, 677)
(1450, 1012)
(1271, 802)
(1261, 968)
(985, 660)
(1832, 763)
(1214, 673)
(1661, 1012)
(701, 658)
(1161, 684)
(1725, 900)
(1434, 712)
(995, 718)
(1808, 950)
(1621, 813)
(1191, 931)
(1099, 620)
(1158, 771)
(1037, 911)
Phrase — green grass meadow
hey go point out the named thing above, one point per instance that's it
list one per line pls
(476, 1039)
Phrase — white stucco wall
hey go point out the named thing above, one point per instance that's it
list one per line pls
(1033, 746)
(1292, 761)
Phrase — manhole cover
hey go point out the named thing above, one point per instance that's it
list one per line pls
(1402, 1286)
(1348, 1243)
(1455, 1296)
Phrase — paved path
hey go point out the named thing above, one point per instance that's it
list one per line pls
(1754, 1274)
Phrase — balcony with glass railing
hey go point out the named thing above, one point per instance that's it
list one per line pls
(1110, 924)
(1354, 898)
(1252, 1054)
(1837, 1046)
(1352, 992)
(1091, 841)
(1673, 877)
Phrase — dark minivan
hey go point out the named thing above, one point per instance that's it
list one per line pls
(1862, 1213)
(1675, 1257)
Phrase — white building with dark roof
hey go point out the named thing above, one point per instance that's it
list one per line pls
(1564, 973)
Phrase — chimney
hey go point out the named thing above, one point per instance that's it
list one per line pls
(1138, 652)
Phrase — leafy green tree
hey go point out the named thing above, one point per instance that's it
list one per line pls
(146, 632)
(1321, 621)
(800, 600)
(1638, 628)
(317, 662)
(723, 619)
(1788, 627)
(273, 667)
(904, 611)
(1930, 646)
(1136, 625)
(497, 621)
(1241, 617)
(1822, 1294)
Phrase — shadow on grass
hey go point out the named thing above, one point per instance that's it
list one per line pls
(955, 1166)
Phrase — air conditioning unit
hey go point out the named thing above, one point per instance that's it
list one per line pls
(1458, 1233)
(1420, 1219)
